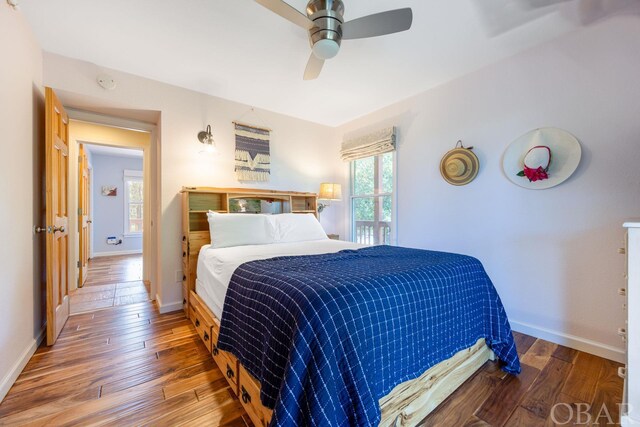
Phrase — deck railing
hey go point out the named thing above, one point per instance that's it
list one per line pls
(373, 232)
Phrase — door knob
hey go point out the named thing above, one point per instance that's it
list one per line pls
(55, 229)
(89, 221)
(38, 229)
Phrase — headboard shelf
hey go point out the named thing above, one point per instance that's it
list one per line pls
(198, 201)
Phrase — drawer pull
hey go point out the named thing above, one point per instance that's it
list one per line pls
(206, 336)
(246, 397)
(622, 292)
(622, 372)
(215, 350)
(622, 251)
(230, 373)
(622, 332)
(197, 323)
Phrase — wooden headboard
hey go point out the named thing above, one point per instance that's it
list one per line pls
(198, 201)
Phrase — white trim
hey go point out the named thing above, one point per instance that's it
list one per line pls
(113, 253)
(168, 308)
(132, 235)
(128, 124)
(128, 173)
(16, 369)
(575, 342)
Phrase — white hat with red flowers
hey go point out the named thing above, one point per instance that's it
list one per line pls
(542, 158)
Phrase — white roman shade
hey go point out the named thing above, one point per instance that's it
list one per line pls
(380, 142)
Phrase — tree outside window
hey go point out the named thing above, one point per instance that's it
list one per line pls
(372, 199)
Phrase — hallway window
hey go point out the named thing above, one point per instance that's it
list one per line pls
(133, 202)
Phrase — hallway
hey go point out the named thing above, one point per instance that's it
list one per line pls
(111, 281)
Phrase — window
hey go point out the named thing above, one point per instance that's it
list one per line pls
(372, 199)
(133, 202)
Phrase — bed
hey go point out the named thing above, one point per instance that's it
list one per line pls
(327, 332)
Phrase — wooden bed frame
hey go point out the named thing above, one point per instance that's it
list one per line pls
(406, 405)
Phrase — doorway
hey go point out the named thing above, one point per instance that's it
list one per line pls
(112, 200)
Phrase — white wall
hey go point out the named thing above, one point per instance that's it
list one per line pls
(552, 254)
(22, 259)
(108, 211)
(303, 153)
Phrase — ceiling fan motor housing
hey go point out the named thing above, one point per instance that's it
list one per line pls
(325, 37)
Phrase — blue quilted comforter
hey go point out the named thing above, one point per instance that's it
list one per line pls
(328, 335)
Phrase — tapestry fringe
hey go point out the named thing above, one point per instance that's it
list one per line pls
(255, 176)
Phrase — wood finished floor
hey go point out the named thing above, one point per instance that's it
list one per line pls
(111, 281)
(114, 269)
(129, 365)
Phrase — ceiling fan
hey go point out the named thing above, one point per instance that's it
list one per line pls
(325, 23)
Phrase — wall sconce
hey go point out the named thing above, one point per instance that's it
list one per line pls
(329, 192)
(206, 139)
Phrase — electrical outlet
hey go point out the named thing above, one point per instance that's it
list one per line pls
(179, 275)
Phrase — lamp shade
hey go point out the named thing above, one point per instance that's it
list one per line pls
(329, 191)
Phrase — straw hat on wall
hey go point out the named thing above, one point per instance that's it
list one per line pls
(459, 166)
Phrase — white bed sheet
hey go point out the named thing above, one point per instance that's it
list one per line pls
(216, 266)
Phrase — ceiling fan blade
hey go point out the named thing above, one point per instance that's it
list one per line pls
(287, 12)
(314, 66)
(379, 24)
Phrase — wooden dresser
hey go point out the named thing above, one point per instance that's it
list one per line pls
(631, 333)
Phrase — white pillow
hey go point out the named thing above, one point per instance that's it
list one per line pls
(292, 227)
(240, 229)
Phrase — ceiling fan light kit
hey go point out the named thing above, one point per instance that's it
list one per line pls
(326, 26)
(325, 36)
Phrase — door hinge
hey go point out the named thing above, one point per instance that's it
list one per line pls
(78, 264)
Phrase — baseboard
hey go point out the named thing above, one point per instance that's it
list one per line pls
(133, 252)
(168, 308)
(17, 368)
(572, 341)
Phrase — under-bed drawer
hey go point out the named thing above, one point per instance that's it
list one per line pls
(201, 320)
(228, 364)
(249, 395)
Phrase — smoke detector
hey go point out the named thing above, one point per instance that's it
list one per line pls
(106, 81)
(14, 4)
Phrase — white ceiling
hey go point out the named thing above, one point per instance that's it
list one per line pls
(240, 51)
(106, 150)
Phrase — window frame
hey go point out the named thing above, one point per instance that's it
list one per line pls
(132, 176)
(394, 199)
